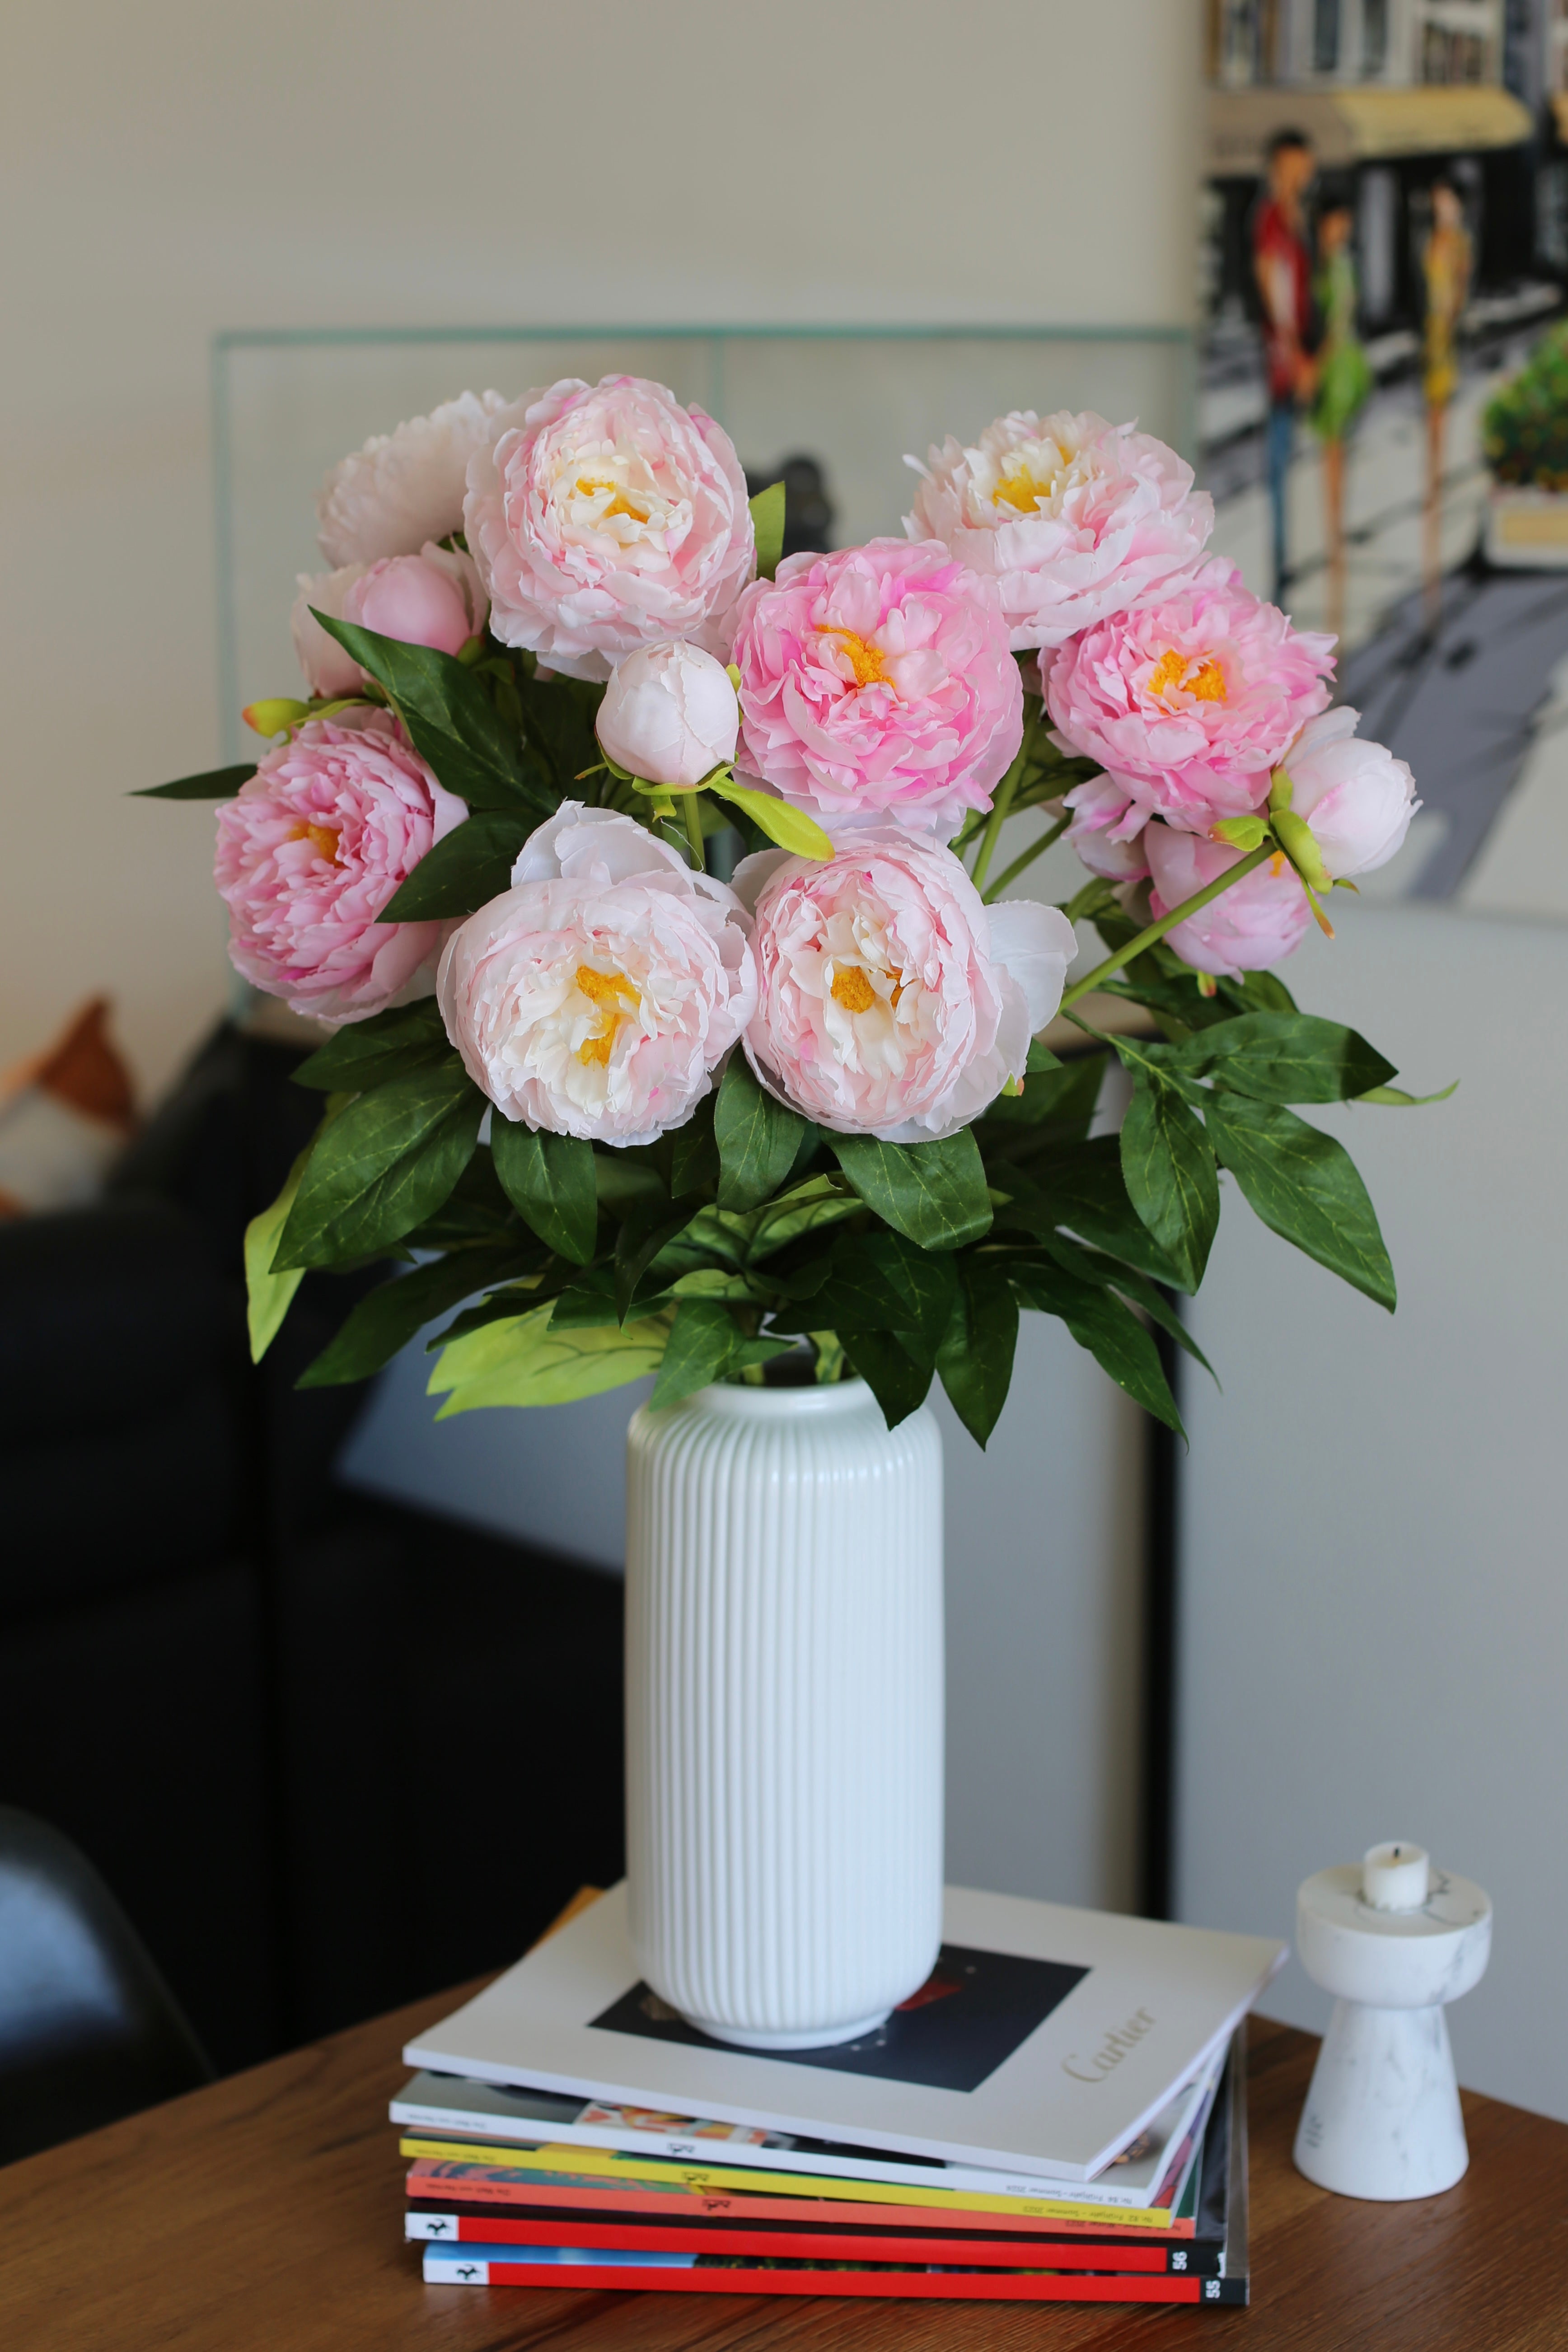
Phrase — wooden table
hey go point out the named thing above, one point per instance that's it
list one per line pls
(264, 2214)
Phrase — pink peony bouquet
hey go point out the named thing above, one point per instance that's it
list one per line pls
(669, 907)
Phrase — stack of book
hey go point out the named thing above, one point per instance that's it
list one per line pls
(1058, 2114)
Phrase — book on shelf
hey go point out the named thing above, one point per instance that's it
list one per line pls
(1045, 2041)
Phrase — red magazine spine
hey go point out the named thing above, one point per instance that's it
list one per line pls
(815, 2245)
(924, 2287)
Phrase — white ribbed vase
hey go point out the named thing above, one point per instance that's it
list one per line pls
(783, 1709)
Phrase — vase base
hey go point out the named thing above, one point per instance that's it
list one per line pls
(831, 2039)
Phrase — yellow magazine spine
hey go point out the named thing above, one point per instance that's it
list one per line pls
(605, 2163)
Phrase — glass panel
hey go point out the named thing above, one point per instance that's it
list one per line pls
(288, 406)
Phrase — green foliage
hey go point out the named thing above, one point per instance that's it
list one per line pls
(757, 1137)
(1305, 1187)
(1281, 1057)
(269, 1296)
(707, 1344)
(389, 1316)
(368, 1053)
(521, 1361)
(933, 1194)
(975, 1358)
(468, 867)
(549, 1181)
(768, 524)
(217, 784)
(1168, 1164)
(380, 1167)
(457, 725)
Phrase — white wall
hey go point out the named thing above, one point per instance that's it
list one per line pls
(1376, 1638)
(179, 167)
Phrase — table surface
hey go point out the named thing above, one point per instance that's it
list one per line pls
(264, 2214)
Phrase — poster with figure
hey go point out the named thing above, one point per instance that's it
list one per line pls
(1383, 412)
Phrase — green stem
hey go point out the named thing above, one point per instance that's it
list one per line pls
(1146, 938)
(694, 830)
(999, 808)
(1052, 834)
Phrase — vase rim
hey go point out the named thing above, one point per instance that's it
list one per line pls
(762, 1403)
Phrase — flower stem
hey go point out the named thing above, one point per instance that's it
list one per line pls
(694, 830)
(1147, 938)
(1052, 834)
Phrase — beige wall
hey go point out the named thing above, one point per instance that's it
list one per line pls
(180, 166)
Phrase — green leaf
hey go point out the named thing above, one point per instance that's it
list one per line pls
(520, 1360)
(466, 868)
(269, 1296)
(694, 1151)
(1169, 1164)
(1398, 1096)
(455, 725)
(367, 1054)
(383, 1165)
(807, 1208)
(1285, 1057)
(1094, 1265)
(1057, 1100)
(880, 1282)
(758, 1138)
(1111, 1332)
(549, 1181)
(768, 524)
(790, 827)
(1245, 833)
(934, 1193)
(897, 1377)
(1305, 1188)
(389, 1318)
(975, 1358)
(217, 784)
(706, 1343)
(642, 1236)
(1083, 1187)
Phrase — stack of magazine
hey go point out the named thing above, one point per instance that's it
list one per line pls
(1057, 2115)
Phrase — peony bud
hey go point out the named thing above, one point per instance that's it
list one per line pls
(409, 597)
(669, 715)
(1357, 799)
(1255, 922)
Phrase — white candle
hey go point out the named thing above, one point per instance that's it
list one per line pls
(1396, 1877)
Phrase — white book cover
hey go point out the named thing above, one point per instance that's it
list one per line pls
(1149, 2174)
(1044, 2039)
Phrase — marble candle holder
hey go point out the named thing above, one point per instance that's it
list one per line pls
(1394, 1940)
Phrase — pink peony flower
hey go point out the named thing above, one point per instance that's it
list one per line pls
(605, 517)
(1357, 798)
(1073, 518)
(878, 683)
(1106, 830)
(405, 488)
(1257, 921)
(434, 598)
(893, 1002)
(1189, 701)
(596, 995)
(311, 850)
(669, 715)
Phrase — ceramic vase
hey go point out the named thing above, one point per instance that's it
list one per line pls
(783, 1709)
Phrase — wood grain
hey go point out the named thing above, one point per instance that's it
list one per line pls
(264, 2214)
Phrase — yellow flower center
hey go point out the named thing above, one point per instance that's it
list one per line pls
(588, 484)
(608, 990)
(322, 839)
(1022, 487)
(864, 660)
(853, 989)
(1205, 684)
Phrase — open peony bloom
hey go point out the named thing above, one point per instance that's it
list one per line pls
(596, 995)
(669, 715)
(434, 598)
(1106, 830)
(878, 683)
(405, 488)
(891, 1000)
(1073, 518)
(605, 517)
(1188, 702)
(1257, 921)
(310, 853)
(1357, 798)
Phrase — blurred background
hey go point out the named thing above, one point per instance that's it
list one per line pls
(331, 1696)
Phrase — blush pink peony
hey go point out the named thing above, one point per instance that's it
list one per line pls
(1073, 518)
(406, 486)
(1106, 830)
(595, 997)
(434, 598)
(310, 853)
(1188, 702)
(605, 517)
(1255, 922)
(878, 683)
(669, 715)
(1356, 798)
(891, 1000)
